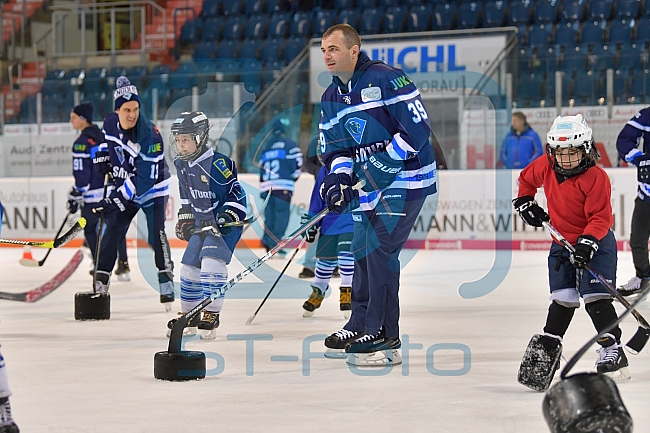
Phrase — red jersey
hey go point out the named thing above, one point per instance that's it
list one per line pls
(581, 205)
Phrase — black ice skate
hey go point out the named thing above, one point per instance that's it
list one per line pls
(7, 424)
(313, 302)
(345, 301)
(633, 287)
(102, 282)
(190, 329)
(209, 323)
(123, 271)
(374, 351)
(336, 343)
(306, 273)
(611, 359)
(540, 361)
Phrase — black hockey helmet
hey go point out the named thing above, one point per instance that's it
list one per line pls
(194, 123)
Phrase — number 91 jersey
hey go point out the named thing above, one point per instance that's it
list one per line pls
(380, 111)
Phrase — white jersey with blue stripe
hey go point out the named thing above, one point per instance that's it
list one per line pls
(380, 110)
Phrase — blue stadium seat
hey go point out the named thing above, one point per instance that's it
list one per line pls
(211, 29)
(204, 50)
(227, 49)
(205, 72)
(546, 11)
(94, 80)
(585, 87)
(522, 33)
(256, 26)
(178, 101)
(443, 17)
(600, 10)
(411, 3)
(253, 7)
(620, 31)
(574, 59)
(468, 14)
(494, 14)
(233, 28)
(538, 35)
(250, 48)
(323, 20)
(190, 32)
(271, 49)
(643, 29)
(233, 7)
(565, 35)
(394, 19)
(646, 8)
(273, 6)
(520, 12)
(279, 24)
(344, 4)
(293, 47)
(370, 22)
(632, 56)
(593, 32)
(573, 11)
(627, 8)
(212, 8)
(101, 104)
(27, 113)
(251, 74)
(160, 70)
(301, 24)
(349, 16)
(621, 81)
(363, 4)
(419, 18)
(183, 77)
(137, 75)
(528, 90)
(639, 83)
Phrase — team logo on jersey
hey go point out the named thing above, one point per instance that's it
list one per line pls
(221, 165)
(347, 99)
(355, 127)
(204, 178)
(120, 154)
(371, 94)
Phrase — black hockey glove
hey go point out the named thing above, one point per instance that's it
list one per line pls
(112, 204)
(312, 232)
(585, 249)
(379, 171)
(223, 218)
(102, 162)
(337, 191)
(75, 198)
(642, 163)
(185, 224)
(529, 211)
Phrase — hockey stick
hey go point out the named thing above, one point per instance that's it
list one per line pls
(47, 288)
(56, 243)
(250, 220)
(181, 323)
(34, 263)
(638, 340)
(250, 319)
(100, 231)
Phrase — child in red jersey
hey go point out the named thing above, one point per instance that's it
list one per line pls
(578, 194)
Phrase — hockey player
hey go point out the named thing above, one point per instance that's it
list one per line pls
(88, 189)
(211, 195)
(280, 166)
(7, 424)
(627, 145)
(578, 194)
(333, 248)
(374, 127)
(136, 158)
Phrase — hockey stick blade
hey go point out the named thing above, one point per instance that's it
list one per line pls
(250, 320)
(32, 262)
(642, 335)
(47, 288)
(56, 243)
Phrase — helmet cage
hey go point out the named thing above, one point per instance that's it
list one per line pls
(195, 124)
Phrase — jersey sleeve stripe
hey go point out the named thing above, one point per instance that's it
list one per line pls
(637, 125)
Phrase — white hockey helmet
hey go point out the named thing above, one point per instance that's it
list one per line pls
(571, 132)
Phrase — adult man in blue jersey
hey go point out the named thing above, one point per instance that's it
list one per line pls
(374, 128)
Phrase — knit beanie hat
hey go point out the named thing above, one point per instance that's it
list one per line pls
(85, 111)
(125, 92)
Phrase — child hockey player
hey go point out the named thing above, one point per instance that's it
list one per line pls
(333, 248)
(7, 424)
(210, 196)
(578, 195)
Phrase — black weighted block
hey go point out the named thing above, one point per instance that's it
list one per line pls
(92, 306)
(185, 365)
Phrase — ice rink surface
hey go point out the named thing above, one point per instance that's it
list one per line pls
(69, 376)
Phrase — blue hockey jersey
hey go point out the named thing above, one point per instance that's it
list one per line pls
(628, 141)
(86, 178)
(380, 110)
(137, 156)
(333, 223)
(209, 185)
(280, 163)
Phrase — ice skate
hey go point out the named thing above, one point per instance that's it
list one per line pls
(167, 301)
(373, 343)
(102, 282)
(345, 301)
(313, 302)
(336, 343)
(123, 271)
(633, 287)
(540, 361)
(378, 359)
(612, 360)
(7, 424)
(167, 294)
(209, 324)
(190, 329)
(306, 273)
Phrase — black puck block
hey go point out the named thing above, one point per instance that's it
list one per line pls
(586, 403)
(185, 365)
(92, 306)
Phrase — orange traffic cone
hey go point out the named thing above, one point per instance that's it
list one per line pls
(27, 252)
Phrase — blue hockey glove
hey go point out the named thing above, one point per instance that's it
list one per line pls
(337, 191)
(111, 204)
(223, 218)
(312, 232)
(75, 199)
(185, 224)
(380, 171)
(530, 211)
(102, 162)
(585, 249)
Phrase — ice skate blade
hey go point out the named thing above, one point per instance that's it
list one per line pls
(346, 314)
(168, 306)
(379, 359)
(335, 354)
(308, 313)
(208, 334)
(124, 277)
(187, 332)
(621, 375)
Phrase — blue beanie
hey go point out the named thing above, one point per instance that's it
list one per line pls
(125, 92)
(85, 111)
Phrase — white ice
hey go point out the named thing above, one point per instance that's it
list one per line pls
(69, 376)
